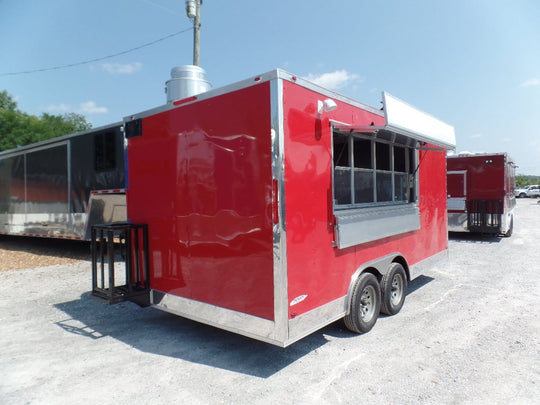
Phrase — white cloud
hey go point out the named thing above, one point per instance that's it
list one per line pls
(87, 107)
(58, 108)
(530, 83)
(90, 107)
(334, 80)
(476, 136)
(121, 68)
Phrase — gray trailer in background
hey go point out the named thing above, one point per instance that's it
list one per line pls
(60, 187)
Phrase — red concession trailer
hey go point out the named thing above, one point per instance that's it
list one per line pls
(274, 207)
(481, 193)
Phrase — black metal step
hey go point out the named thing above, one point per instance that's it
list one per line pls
(120, 266)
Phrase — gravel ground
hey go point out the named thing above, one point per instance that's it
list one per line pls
(468, 334)
(18, 252)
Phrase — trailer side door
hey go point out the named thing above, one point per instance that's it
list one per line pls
(457, 190)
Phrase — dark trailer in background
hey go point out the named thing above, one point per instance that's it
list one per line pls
(60, 187)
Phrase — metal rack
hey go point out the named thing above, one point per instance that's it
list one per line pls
(115, 246)
(484, 216)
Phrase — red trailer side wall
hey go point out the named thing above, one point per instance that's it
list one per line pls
(315, 267)
(485, 175)
(201, 178)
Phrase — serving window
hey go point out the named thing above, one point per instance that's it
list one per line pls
(374, 185)
(369, 171)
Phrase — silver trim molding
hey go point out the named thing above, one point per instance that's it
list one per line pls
(233, 321)
(420, 267)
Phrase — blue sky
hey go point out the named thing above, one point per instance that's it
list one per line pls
(474, 64)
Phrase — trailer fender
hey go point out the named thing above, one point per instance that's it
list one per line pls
(509, 225)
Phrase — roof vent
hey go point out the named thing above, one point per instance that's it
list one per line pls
(186, 81)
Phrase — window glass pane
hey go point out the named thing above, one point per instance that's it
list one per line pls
(342, 186)
(341, 150)
(399, 159)
(47, 180)
(384, 187)
(105, 151)
(362, 153)
(383, 156)
(401, 186)
(363, 187)
(380, 171)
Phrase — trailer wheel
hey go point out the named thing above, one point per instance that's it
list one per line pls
(393, 289)
(365, 304)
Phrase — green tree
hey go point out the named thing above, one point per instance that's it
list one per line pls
(6, 101)
(18, 128)
(526, 180)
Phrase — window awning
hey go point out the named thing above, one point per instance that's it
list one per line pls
(404, 121)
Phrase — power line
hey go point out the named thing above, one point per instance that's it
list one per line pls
(96, 59)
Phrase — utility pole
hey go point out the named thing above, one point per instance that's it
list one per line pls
(196, 31)
(193, 10)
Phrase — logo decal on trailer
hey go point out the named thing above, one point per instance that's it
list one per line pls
(297, 300)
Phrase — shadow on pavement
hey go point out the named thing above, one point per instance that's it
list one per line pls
(418, 283)
(153, 331)
(467, 237)
(61, 248)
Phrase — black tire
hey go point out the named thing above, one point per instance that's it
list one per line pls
(365, 304)
(393, 289)
(522, 195)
